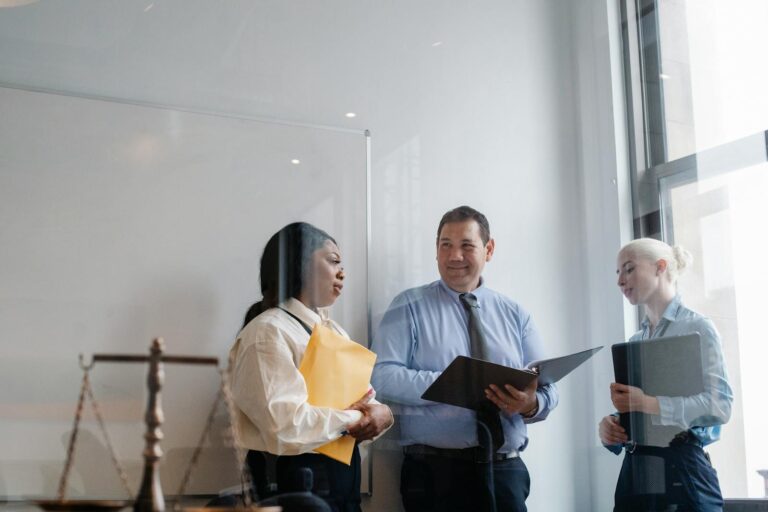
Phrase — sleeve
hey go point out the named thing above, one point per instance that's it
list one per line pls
(268, 389)
(531, 341)
(393, 376)
(713, 405)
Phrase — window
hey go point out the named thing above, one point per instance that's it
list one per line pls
(696, 78)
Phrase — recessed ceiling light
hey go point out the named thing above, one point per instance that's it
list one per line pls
(350, 115)
(295, 161)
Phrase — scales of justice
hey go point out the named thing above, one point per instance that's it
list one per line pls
(150, 497)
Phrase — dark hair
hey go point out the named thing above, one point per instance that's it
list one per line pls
(462, 213)
(284, 264)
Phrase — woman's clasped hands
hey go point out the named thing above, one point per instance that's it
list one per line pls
(376, 418)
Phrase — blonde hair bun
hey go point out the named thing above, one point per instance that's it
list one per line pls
(678, 259)
(683, 258)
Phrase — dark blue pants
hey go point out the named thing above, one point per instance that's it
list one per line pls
(336, 483)
(679, 477)
(434, 483)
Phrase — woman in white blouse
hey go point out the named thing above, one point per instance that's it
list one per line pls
(301, 276)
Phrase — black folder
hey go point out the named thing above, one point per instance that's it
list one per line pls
(464, 381)
(669, 366)
(552, 370)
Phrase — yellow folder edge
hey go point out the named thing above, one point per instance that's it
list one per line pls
(337, 372)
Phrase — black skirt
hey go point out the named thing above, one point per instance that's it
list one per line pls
(336, 483)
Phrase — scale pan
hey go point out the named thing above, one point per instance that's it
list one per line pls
(84, 505)
(230, 509)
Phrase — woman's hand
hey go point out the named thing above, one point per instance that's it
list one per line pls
(611, 431)
(367, 397)
(631, 399)
(513, 401)
(376, 419)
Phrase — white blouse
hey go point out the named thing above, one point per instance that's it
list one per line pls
(270, 394)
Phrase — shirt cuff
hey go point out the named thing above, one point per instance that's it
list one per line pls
(666, 412)
(532, 415)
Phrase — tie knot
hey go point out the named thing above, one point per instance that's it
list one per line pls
(468, 300)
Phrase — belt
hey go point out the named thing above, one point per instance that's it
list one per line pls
(473, 454)
(685, 437)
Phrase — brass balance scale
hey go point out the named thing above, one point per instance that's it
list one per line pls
(150, 497)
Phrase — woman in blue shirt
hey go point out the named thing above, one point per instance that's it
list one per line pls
(647, 274)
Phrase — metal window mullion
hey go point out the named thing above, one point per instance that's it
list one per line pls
(647, 144)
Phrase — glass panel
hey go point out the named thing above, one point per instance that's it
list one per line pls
(718, 218)
(119, 223)
(713, 72)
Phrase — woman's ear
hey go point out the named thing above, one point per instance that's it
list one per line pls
(661, 266)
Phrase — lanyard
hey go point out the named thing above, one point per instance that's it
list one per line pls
(305, 326)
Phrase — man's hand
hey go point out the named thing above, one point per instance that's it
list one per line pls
(513, 401)
(611, 432)
(629, 398)
(376, 419)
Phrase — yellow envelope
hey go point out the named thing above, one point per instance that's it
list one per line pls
(337, 372)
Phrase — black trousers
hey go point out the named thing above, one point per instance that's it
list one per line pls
(336, 483)
(435, 483)
(679, 477)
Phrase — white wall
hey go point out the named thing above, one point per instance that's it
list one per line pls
(606, 196)
(500, 105)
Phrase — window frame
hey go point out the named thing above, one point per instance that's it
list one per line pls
(651, 175)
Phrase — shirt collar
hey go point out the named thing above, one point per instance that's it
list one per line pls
(670, 313)
(478, 292)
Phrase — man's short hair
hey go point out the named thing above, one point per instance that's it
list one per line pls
(463, 213)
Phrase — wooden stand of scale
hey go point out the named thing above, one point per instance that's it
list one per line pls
(150, 497)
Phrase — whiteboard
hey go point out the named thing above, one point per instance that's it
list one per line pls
(120, 223)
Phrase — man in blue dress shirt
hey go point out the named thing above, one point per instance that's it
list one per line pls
(423, 330)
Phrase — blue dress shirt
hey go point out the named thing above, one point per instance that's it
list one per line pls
(422, 332)
(701, 414)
